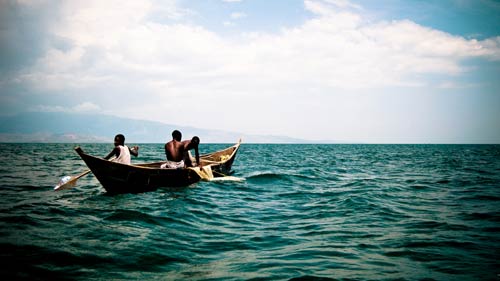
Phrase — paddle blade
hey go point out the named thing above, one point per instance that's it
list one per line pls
(68, 182)
(65, 183)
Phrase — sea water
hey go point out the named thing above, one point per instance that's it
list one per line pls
(339, 212)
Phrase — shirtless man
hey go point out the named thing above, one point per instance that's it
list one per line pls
(172, 147)
(177, 151)
(188, 145)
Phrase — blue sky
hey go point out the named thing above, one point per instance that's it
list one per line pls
(353, 71)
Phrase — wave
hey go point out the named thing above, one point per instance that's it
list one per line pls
(138, 217)
(310, 212)
(284, 177)
(268, 177)
(311, 278)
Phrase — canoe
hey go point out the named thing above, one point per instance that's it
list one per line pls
(136, 178)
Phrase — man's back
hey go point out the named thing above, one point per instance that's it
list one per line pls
(174, 150)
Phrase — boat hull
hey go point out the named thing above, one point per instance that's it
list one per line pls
(121, 178)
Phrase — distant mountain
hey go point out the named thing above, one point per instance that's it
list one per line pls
(81, 128)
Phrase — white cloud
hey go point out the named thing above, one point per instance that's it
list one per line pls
(100, 23)
(83, 107)
(328, 7)
(337, 49)
(124, 37)
(343, 4)
(177, 67)
(86, 107)
(237, 15)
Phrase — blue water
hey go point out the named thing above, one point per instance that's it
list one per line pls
(342, 212)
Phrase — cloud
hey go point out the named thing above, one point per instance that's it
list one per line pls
(80, 108)
(237, 15)
(328, 7)
(452, 85)
(337, 49)
(234, 16)
(166, 68)
(86, 107)
(343, 4)
(24, 33)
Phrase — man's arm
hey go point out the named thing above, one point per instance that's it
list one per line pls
(115, 151)
(197, 155)
(186, 158)
(134, 151)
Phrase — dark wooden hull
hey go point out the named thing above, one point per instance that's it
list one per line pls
(121, 178)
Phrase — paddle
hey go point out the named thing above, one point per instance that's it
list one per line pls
(69, 182)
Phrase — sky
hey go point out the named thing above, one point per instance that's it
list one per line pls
(388, 71)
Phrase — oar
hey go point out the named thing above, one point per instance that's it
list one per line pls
(68, 182)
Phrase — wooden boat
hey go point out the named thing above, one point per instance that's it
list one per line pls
(122, 178)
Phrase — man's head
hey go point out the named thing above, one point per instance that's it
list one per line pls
(195, 141)
(176, 135)
(119, 139)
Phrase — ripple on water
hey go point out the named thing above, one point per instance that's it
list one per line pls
(304, 212)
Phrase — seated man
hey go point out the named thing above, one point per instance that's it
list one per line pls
(178, 152)
(121, 151)
(172, 150)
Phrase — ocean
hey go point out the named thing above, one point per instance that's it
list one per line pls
(302, 212)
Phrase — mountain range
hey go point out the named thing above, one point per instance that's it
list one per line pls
(64, 127)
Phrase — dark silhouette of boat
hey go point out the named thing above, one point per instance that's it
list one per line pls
(136, 178)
